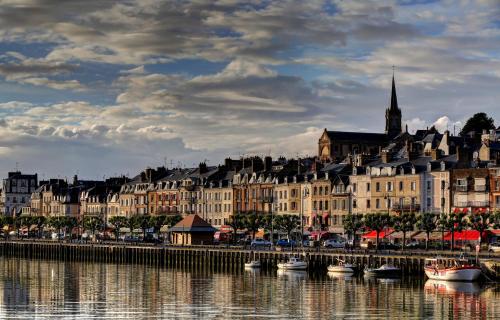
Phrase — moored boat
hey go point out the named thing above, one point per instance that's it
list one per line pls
(294, 263)
(460, 270)
(252, 264)
(342, 267)
(386, 270)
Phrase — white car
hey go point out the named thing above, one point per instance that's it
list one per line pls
(259, 242)
(494, 247)
(334, 244)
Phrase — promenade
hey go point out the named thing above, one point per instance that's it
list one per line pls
(223, 257)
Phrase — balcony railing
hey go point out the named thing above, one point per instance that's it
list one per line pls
(406, 206)
(480, 187)
(464, 204)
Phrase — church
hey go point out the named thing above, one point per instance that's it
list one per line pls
(337, 145)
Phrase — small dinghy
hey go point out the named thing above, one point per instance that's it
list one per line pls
(294, 263)
(342, 267)
(386, 270)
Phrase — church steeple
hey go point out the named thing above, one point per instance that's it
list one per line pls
(393, 113)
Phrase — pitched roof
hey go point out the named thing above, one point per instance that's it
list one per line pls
(192, 223)
(360, 136)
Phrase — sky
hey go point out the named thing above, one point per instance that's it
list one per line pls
(101, 88)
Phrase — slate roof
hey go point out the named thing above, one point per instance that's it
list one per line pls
(358, 136)
(192, 223)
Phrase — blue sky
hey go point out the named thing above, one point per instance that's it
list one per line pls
(104, 88)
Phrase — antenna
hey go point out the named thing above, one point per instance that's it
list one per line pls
(17, 166)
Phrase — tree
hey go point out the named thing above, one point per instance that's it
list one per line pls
(287, 223)
(477, 123)
(352, 224)
(5, 221)
(92, 223)
(173, 220)
(404, 223)
(57, 223)
(118, 222)
(453, 222)
(481, 222)
(70, 223)
(236, 221)
(377, 222)
(143, 222)
(40, 223)
(253, 222)
(157, 222)
(427, 222)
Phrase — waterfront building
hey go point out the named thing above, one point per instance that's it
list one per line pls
(218, 201)
(495, 189)
(287, 197)
(471, 190)
(16, 192)
(192, 230)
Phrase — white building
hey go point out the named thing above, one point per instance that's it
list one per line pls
(16, 192)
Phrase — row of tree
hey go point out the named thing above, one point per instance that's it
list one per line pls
(253, 221)
(90, 223)
(426, 222)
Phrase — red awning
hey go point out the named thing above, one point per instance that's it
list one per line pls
(469, 235)
(382, 234)
(225, 229)
(319, 234)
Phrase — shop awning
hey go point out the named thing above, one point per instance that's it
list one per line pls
(435, 235)
(382, 234)
(469, 235)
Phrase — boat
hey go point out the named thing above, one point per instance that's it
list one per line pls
(442, 287)
(342, 267)
(294, 263)
(460, 270)
(386, 270)
(252, 264)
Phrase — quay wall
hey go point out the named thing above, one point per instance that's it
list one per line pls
(229, 259)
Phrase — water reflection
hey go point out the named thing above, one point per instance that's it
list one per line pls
(49, 289)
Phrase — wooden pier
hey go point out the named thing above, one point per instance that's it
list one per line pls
(219, 258)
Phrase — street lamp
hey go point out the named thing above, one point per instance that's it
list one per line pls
(304, 195)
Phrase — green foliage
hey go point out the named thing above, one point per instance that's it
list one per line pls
(477, 123)
(118, 222)
(173, 220)
(481, 221)
(141, 221)
(404, 223)
(427, 222)
(93, 223)
(253, 221)
(236, 221)
(377, 222)
(287, 223)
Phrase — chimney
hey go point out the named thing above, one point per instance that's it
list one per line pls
(268, 163)
(228, 163)
(385, 157)
(203, 167)
(75, 180)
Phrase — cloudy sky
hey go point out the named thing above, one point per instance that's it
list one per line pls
(101, 88)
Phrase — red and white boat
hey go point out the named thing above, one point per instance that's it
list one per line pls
(460, 270)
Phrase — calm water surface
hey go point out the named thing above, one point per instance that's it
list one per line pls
(51, 289)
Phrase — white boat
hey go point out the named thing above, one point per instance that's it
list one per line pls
(451, 287)
(294, 263)
(252, 264)
(342, 267)
(460, 270)
(386, 270)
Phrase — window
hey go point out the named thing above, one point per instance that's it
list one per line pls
(326, 205)
(413, 186)
(401, 185)
(285, 207)
(321, 205)
(326, 190)
(377, 186)
(377, 203)
(442, 184)
(315, 191)
(354, 187)
(389, 186)
(334, 204)
(429, 185)
(368, 187)
(368, 204)
(429, 202)
(315, 205)
(285, 193)
(354, 205)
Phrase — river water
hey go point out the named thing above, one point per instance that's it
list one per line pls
(51, 289)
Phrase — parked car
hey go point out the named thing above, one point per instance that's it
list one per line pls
(334, 244)
(244, 241)
(494, 247)
(131, 239)
(152, 239)
(285, 243)
(259, 242)
(388, 246)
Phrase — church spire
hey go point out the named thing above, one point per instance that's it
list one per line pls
(394, 97)
(393, 113)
